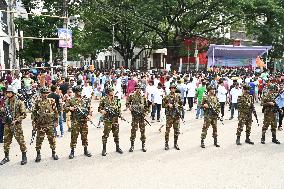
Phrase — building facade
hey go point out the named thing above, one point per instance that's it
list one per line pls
(5, 47)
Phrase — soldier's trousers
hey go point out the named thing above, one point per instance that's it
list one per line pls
(244, 120)
(175, 123)
(110, 126)
(269, 120)
(82, 128)
(207, 122)
(41, 132)
(138, 121)
(8, 136)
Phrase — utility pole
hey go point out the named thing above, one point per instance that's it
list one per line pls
(12, 5)
(112, 53)
(65, 26)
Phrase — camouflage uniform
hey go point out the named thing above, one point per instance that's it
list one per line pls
(210, 117)
(173, 116)
(79, 122)
(44, 115)
(17, 109)
(110, 121)
(245, 116)
(269, 117)
(136, 100)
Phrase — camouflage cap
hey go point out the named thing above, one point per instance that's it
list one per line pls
(10, 88)
(77, 89)
(173, 86)
(44, 90)
(108, 90)
(272, 87)
(246, 87)
(138, 86)
(209, 88)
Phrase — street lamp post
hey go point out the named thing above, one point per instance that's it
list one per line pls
(112, 52)
(65, 26)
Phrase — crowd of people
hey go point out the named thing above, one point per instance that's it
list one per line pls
(144, 92)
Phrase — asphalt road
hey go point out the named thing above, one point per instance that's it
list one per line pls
(230, 166)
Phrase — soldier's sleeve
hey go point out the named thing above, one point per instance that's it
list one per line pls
(180, 104)
(165, 102)
(264, 101)
(54, 108)
(90, 108)
(68, 105)
(204, 100)
(218, 107)
(146, 106)
(128, 101)
(34, 111)
(240, 102)
(101, 104)
(22, 111)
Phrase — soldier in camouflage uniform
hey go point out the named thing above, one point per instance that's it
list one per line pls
(245, 114)
(211, 107)
(44, 116)
(270, 111)
(13, 124)
(173, 107)
(110, 110)
(136, 101)
(80, 114)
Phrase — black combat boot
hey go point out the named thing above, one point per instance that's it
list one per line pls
(54, 156)
(274, 140)
(24, 158)
(238, 141)
(71, 156)
(38, 156)
(6, 159)
(86, 152)
(176, 144)
(143, 147)
(202, 143)
(167, 145)
(131, 147)
(248, 140)
(263, 139)
(118, 150)
(216, 142)
(104, 150)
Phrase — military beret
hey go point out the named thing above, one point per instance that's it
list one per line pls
(44, 90)
(77, 89)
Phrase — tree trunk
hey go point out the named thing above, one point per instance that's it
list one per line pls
(173, 57)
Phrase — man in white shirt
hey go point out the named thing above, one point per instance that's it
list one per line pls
(87, 90)
(150, 89)
(16, 83)
(234, 94)
(222, 95)
(157, 103)
(190, 93)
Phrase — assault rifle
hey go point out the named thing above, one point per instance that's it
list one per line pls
(254, 113)
(113, 114)
(139, 113)
(33, 136)
(212, 111)
(9, 118)
(177, 112)
(83, 113)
